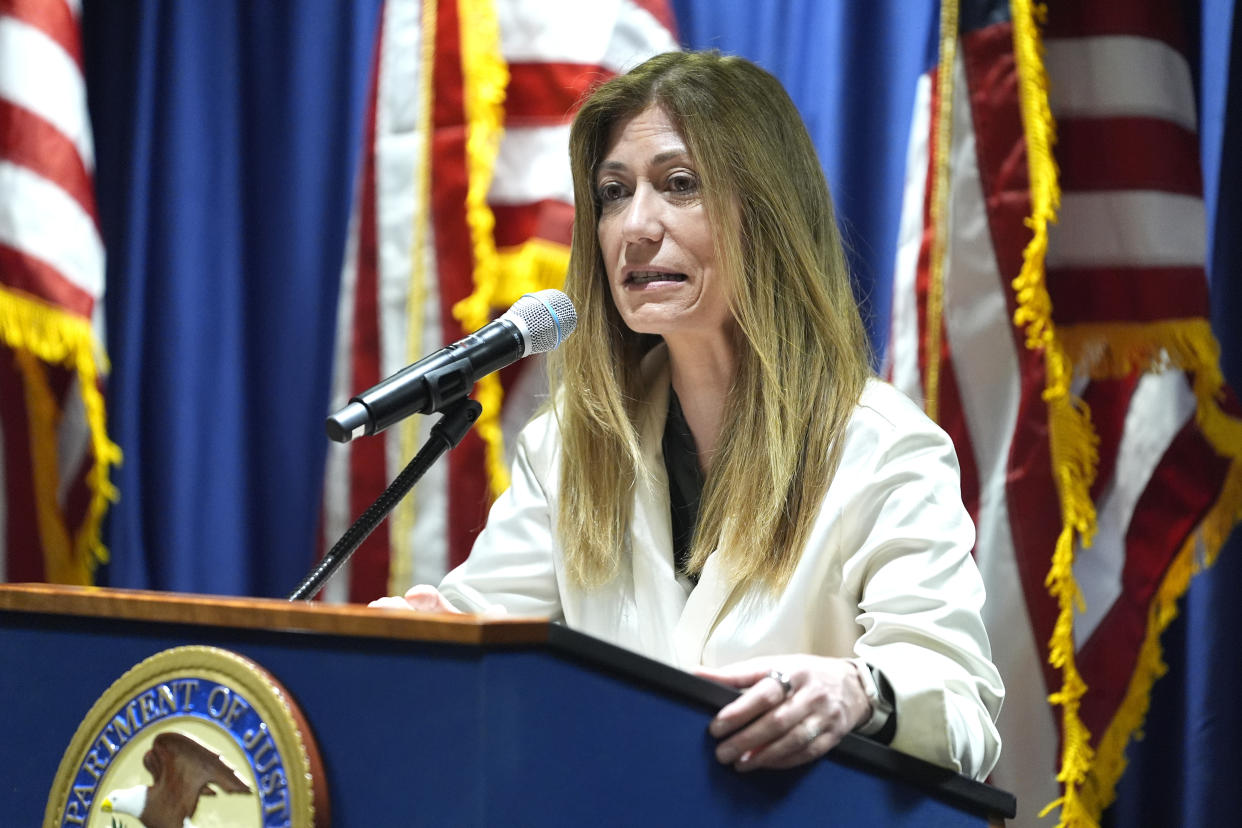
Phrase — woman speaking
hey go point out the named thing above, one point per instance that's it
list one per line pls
(719, 481)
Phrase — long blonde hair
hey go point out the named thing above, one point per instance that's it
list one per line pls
(802, 351)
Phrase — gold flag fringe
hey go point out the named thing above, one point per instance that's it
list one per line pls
(1089, 777)
(485, 76)
(1119, 349)
(500, 277)
(39, 333)
(535, 264)
(1072, 439)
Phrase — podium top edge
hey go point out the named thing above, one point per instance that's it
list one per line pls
(270, 613)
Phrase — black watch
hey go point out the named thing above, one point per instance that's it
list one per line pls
(883, 721)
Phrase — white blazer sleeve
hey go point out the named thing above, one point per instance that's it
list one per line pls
(512, 566)
(922, 595)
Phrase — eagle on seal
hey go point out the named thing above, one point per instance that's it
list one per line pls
(183, 770)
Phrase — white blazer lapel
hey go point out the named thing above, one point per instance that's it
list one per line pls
(701, 613)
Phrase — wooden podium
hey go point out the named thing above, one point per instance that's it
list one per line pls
(447, 721)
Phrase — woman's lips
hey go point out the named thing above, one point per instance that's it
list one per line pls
(646, 277)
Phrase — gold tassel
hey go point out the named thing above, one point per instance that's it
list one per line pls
(1072, 438)
(38, 332)
(485, 76)
(535, 264)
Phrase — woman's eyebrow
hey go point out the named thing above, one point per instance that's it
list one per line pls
(668, 155)
(658, 158)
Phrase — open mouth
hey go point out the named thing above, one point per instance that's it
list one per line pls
(646, 277)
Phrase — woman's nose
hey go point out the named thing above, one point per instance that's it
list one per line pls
(643, 216)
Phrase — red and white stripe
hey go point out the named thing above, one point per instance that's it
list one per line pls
(47, 158)
(51, 255)
(558, 51)
(396, 298)
(1128, 247)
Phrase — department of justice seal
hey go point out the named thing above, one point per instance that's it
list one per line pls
(192, 736)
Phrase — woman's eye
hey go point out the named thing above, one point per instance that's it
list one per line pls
(682, 183)
(610, 191)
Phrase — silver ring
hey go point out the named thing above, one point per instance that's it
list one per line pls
(783, 680)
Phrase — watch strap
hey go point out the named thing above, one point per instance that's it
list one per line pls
(882, 723)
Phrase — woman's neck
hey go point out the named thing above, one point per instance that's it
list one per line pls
(702, 373)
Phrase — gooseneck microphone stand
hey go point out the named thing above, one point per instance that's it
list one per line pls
(445, 434)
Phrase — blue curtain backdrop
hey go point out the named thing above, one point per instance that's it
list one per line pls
(227, 136)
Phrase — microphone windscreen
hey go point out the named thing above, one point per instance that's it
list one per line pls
(547, 317)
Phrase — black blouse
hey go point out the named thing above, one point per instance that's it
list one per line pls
(685, 480)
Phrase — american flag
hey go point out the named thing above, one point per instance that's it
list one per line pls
(464, 203)
(1075, 368)
(54, 469)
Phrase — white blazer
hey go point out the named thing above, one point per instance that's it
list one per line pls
(886, 575)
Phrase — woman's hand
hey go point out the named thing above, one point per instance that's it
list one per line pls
(423, 597)
(793, 710)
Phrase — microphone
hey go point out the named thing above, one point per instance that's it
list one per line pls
(536, 323)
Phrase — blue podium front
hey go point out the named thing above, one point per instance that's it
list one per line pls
(425, 720)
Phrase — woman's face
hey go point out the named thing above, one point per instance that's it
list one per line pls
(654, 234)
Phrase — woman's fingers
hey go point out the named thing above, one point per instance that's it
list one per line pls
(390, 602)
(794, 710)
(427, 598)
(765, 693)
(424, 598)
(761, 718)
(804, 743)
(741, 674)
